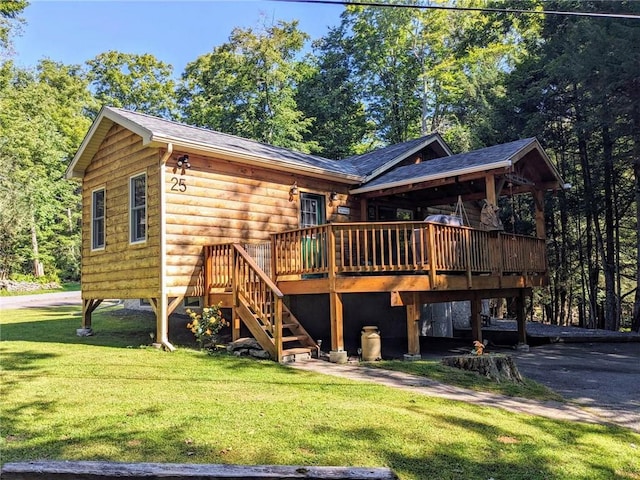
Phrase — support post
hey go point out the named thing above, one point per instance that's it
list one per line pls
(490, 188)
(538, 197)
(337, 353)
(522, 321)
(88, 306)
(413, 332)
(476, 321)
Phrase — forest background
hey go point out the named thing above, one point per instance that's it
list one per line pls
(383, 75)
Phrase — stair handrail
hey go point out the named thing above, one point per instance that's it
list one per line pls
(260, 299)
(254, 265)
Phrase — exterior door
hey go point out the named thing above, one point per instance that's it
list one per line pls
(312, 214)
(312, 211)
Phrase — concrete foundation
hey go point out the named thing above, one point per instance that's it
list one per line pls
(338, 356)
(408, 357)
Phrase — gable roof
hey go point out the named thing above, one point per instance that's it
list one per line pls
(488, 158)
(372, 164)
(371, 171)
(158, 131)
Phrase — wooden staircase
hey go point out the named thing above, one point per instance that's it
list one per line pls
(259, 304)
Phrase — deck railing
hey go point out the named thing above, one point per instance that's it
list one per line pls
(384, 248)
(405, 247)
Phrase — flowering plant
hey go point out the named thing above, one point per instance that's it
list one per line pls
(206, 325)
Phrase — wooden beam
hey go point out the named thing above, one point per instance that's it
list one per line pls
(476, 321)
(431, 184)
(490, 188)
(335, 299)
(174, 304)
(413, 331)
(538, 196)
(337, 323)
(521, 318)
(88, 307)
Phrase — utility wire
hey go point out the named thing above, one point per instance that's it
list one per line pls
(466, 9)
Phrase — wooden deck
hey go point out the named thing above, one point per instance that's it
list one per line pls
(390, 256)
(416, 262)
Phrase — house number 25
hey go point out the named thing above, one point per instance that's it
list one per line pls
(179, 185)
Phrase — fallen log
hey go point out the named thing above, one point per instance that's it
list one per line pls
(497, 367)
(93, 470)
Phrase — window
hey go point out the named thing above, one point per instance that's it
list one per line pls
(138, 208)
(193, 302)
(97, 219)
(311, 210)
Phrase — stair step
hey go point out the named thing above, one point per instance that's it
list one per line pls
(289, 325)
(292, 354)
(293, 338)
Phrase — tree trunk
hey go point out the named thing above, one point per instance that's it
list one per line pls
(38, 269)
(593, 272)
(499, 368)
(611, 317)
(635, 322)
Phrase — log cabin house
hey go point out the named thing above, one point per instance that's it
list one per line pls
(301, 247)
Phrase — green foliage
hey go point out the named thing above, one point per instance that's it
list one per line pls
(42, 123)
(10, 21)
(134, 82)
(247, 87)
(330, 95)
(577, 91)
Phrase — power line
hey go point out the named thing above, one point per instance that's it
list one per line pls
(466, 9)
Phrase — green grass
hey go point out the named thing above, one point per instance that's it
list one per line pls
(434, 370)
(65, 287)
(111, 397)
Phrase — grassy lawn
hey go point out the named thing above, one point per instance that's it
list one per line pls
(434, 370)
(110, 397)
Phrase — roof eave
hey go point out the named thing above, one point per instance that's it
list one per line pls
(427, 178)
(391, 163)
(96, 135)
(271, 163)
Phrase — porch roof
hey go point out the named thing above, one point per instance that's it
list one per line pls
(477, 161)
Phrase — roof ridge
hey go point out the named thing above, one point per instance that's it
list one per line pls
(218, 132)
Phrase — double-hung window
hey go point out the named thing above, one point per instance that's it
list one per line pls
(138, 208)
(97, 219)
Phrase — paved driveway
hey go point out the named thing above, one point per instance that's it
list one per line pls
(41, 300)
(602, 377)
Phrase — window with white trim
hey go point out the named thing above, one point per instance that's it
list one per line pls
(138, 208)
(97, 219)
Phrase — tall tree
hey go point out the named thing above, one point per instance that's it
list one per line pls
(134, 82)
(10, 21)
(574, 93)
(424, 70)
(41, 124)
(247, 87)
(330, 95)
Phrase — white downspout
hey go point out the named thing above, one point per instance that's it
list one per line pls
(163, 325)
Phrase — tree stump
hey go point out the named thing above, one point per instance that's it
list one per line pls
(499, 368)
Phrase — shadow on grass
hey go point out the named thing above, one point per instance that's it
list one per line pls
(112, 327)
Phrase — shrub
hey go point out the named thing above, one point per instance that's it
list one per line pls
(206, 325)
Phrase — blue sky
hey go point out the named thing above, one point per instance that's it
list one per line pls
(175, 32)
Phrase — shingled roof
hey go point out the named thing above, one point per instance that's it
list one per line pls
(372, 163)
(367, 172)
(478, 160)
(160, 131)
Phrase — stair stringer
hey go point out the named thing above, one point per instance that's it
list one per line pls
(255, 327)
